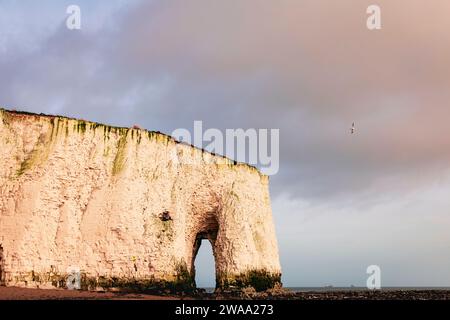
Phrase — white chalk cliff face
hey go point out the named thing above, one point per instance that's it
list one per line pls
(127, 206)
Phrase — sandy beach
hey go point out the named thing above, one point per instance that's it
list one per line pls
(14, 293)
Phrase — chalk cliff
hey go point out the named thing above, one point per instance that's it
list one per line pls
(128, 207)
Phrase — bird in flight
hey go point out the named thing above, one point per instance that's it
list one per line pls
(352, 129)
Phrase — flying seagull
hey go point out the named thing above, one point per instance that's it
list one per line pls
(352, 129)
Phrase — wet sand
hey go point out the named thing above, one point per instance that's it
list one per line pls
(14, 293)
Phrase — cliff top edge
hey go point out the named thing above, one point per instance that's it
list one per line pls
(169, 137)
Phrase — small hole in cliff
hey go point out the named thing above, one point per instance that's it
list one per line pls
(165, 216)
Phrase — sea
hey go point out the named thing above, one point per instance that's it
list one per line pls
(331, 288)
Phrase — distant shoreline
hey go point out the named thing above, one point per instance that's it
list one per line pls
(331, 289)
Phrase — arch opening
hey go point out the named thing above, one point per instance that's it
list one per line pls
(204, 264)
(205, 276)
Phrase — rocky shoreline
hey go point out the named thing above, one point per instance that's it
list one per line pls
(14, 293)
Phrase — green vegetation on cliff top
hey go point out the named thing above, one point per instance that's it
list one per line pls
(81, 126)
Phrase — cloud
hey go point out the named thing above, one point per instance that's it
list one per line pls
(308, 68)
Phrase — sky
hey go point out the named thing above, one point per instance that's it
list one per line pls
(309, 68)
